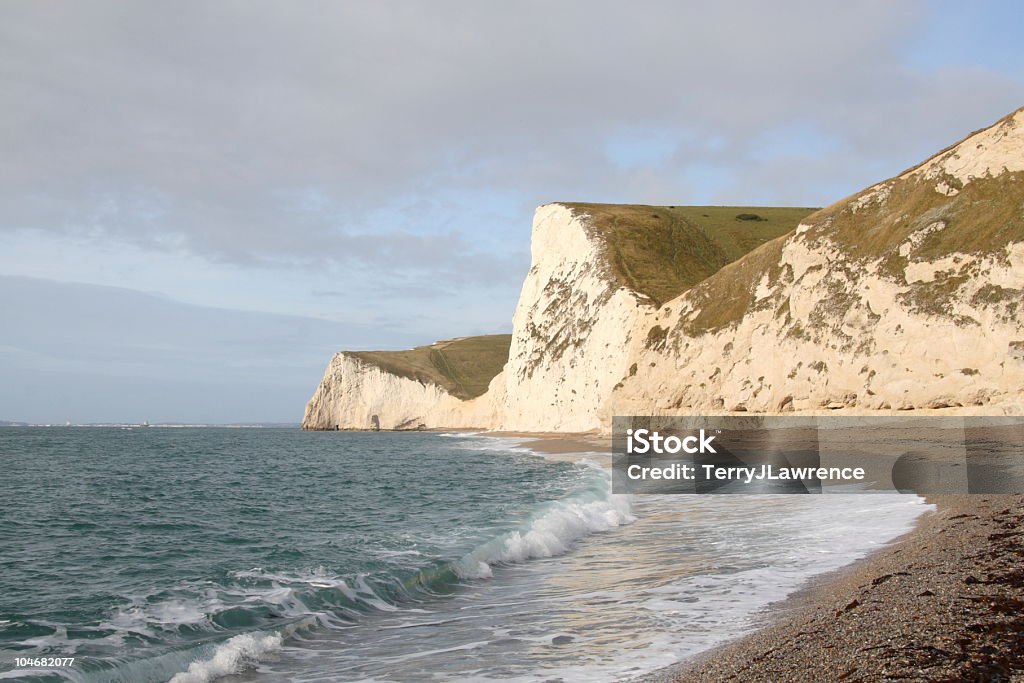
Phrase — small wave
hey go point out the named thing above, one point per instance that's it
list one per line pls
(205, 630)
(166, 614)
(479, 441)
(492, 444)
(234, 656)
(553, 531)
(357, 590)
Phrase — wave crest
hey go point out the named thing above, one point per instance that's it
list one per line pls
(231, 657)
(553, 531)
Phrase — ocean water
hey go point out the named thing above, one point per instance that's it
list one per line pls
(252, 555)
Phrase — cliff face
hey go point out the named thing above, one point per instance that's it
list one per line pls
(571, 330)
(353, 393)
(443, 384)
(907, 295)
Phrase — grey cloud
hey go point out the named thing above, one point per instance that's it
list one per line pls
(195, 125)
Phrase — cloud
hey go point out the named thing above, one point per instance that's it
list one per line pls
(259, 132)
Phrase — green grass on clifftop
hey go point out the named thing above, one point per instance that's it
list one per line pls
(463, 367)
(661, 251)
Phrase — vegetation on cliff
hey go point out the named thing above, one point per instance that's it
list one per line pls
(661, 251)
(463, 366)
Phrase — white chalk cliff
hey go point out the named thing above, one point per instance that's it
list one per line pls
(906, 296)
(353, 392)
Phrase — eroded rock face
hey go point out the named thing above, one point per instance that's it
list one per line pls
(831, 333)
(352, 393)
(571, 331)
(906, 296)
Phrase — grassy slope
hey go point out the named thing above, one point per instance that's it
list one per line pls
(982, 218)
(661, 251)
(463, 367)
(985, 216)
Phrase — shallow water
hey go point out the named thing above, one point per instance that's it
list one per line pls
(190, 554)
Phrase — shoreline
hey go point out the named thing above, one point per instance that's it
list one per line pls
(555, 444)
(944, 601)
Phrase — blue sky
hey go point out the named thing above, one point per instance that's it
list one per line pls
(363, 174)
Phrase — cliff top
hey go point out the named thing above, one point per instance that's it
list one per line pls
(967, 200)
(661, 251)
(463, 367)
(972, 192)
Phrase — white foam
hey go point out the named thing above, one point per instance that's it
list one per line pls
(142, 617)
(147, 618)
(496, 444)
(231, 657)
(553, 532)
(360, 591)
(481, 441)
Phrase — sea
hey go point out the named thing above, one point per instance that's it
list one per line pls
(251, 555)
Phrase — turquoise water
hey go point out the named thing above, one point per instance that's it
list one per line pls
(273, 554)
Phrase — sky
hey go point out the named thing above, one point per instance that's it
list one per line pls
(201, 201)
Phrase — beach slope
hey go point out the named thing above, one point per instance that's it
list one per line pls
(946, 603)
